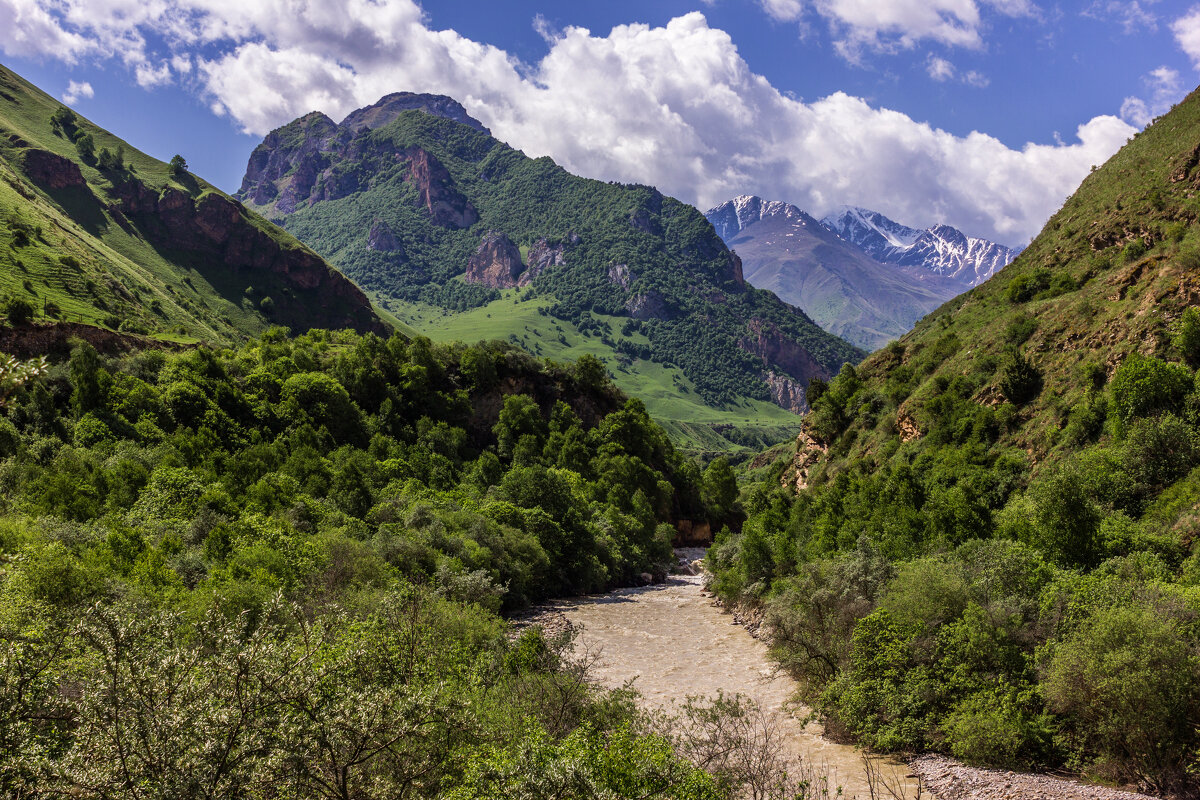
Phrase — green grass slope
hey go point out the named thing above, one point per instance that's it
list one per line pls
(95, 243)
(743, 427)
(621, 251)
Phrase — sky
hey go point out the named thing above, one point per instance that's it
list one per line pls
(984, 114)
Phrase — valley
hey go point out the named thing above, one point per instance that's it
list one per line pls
(282, 472)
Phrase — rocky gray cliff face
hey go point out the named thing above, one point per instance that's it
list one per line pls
(294, 167)
(496, 263)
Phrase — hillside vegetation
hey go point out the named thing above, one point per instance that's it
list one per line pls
(223, 571)
(986, 542)
(407, 207)
(99, 233)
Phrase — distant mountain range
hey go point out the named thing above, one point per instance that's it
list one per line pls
(856, 273)
(420, 205)
(941, 249)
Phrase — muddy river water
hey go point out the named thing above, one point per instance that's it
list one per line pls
(671, 641)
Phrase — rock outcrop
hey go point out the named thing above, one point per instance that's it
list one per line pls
(765, 340)
(809, 451)
(447, 206)
(219, 231)
(496, 262)
(787, 393)
(381, 238)
(50, 170)
(542, 256)
(648, 305)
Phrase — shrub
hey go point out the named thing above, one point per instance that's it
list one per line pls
(1186, 337)
(997, 727)
(1024, 287)
(1134, 250)
(1128, 683)
(1145, 385)
(18, 310)
(1020, 380)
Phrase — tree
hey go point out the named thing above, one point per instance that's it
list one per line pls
(64, 118)
(720, 490)
(1187, 336)
(1145, 385)
(1128, 682)
(18, 310)
(178, 166)
(1020, 380)
(86, 146)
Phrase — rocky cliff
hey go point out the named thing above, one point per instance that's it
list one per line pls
(127, 243)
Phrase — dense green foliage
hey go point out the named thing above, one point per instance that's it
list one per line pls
(951, 601)
(668, 255)
(994, 554)
(274, 571)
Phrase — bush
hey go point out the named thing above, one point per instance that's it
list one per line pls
(1187, 336)
(1128, 683)
(1020, 380)
(18, 310)
(1144, 385)
(1025, 287)
(999, 728)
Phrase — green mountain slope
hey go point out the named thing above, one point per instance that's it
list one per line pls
(429, 213)
(99, 233)
(986, 543)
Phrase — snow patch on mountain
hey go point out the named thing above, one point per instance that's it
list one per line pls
(941, 249)
(733, 216)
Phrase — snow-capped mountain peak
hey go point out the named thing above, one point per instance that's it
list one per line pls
(862, 226)
(941, 249)
(733, 216)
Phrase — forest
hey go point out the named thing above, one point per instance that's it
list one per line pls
(946, 597)
(276, 570)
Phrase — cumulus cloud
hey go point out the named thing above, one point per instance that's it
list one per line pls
(1165, 89)
(675, 106)
(1187, 34)
(891, 25)
(76, 91)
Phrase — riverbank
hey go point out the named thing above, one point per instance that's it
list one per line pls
(953, 780)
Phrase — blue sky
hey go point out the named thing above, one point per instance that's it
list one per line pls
(981, 113)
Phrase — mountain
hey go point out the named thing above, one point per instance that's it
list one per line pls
(941, 249)
(987, 525)
(99, 233)
(844, 290)
(466, 238)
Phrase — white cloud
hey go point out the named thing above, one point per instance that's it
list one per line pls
(31, 30)
(939, 68)
(1165, 90)
(891, 25)
(675, 106)
(976, 79)
(1187, 34)
(783, 10)
(76, 91)
(1131, 14)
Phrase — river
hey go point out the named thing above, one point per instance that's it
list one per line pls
(671, 641)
